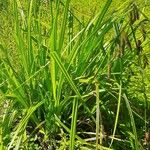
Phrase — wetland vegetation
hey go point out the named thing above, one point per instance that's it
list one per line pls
(74, 75)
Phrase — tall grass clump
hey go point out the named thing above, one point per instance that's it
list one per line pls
(67, 84)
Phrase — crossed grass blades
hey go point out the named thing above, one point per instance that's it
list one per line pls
(67, 84)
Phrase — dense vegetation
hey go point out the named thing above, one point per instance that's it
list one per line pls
(74, 77)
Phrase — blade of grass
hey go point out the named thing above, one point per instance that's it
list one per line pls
(30, 50)
(73, 124)
(117, 113)
(53, 48)
(63, 26)
(56, 58)
(97, 115)
(103, 12)
(132, 122)
(21, 126)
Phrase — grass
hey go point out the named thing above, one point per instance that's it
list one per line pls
(71, 80)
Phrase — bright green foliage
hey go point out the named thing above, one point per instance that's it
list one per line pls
(73, 82)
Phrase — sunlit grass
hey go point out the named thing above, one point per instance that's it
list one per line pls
(70, 83)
